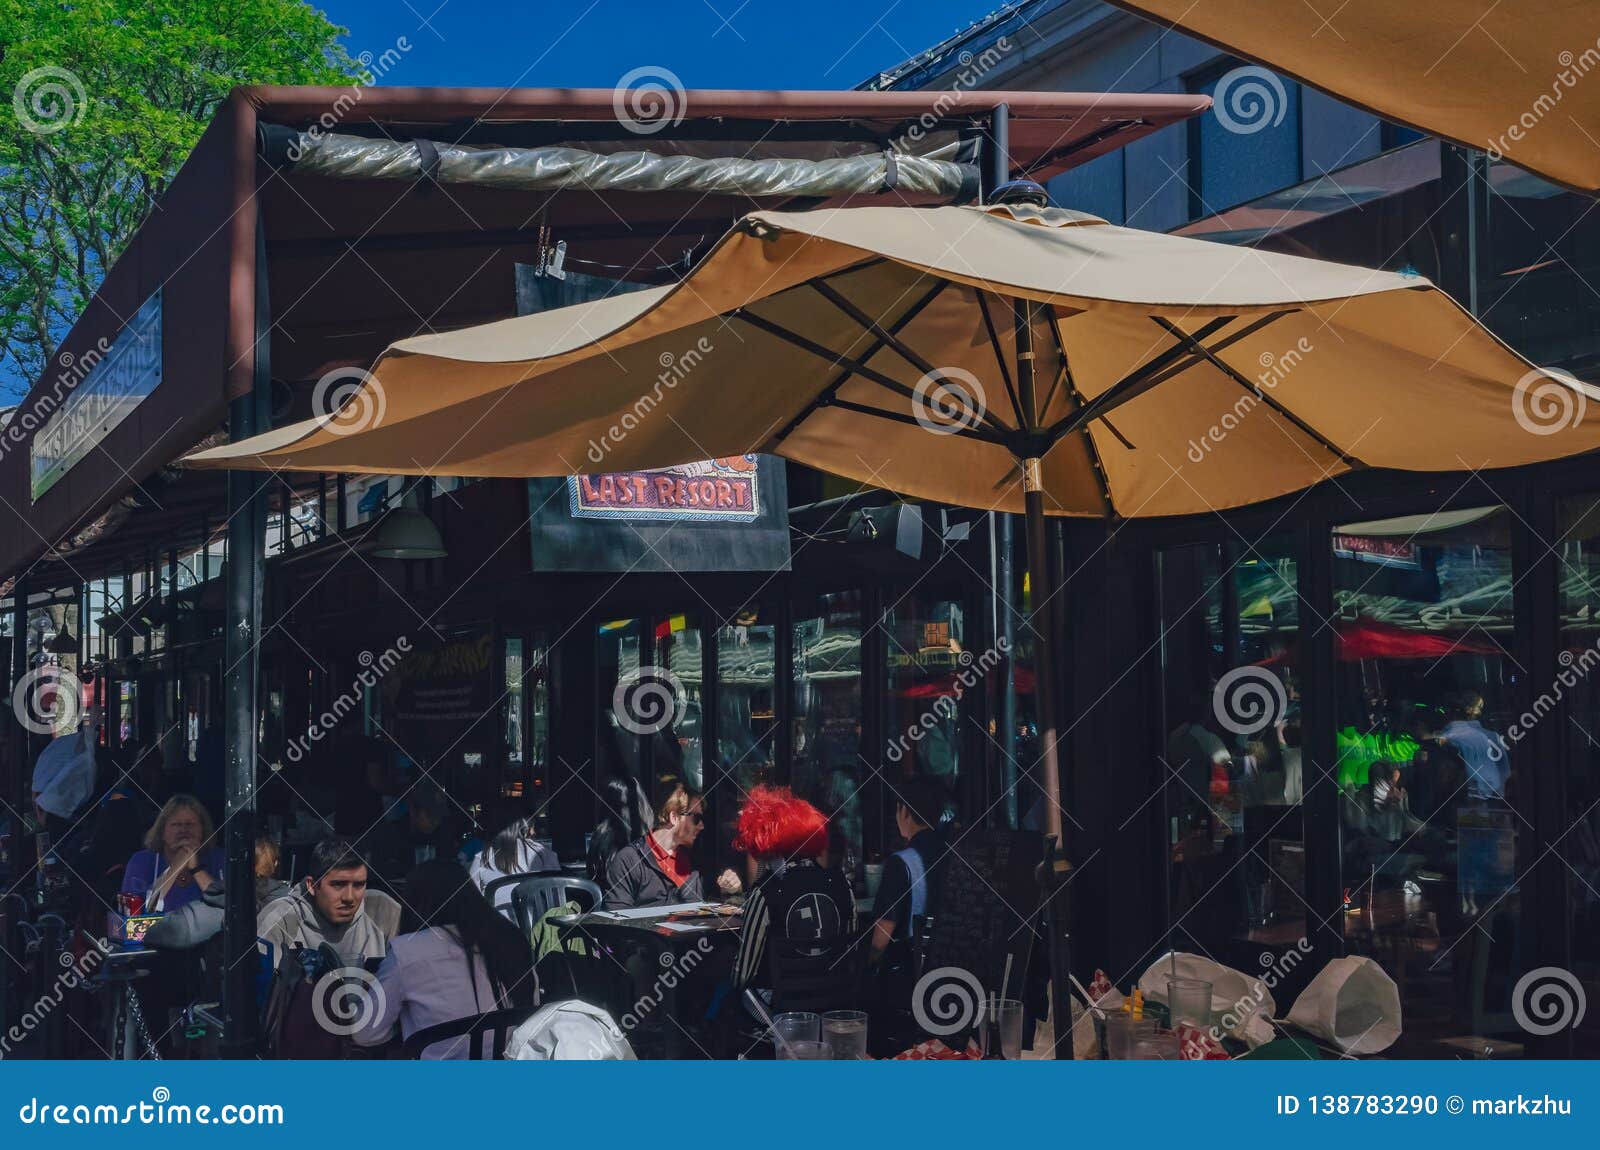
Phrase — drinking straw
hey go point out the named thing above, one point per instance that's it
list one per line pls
(1005, 979)
(759, 1009)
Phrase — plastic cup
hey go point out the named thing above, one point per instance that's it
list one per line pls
(804, 1052)
(796, 1026)
(1002, 1031)
(844, 1032)
(1123, 1031)
(1189, 1000)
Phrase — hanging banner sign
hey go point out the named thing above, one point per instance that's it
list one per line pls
(720, 490)
(102, 391)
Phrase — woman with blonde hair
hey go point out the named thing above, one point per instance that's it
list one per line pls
(179, 862)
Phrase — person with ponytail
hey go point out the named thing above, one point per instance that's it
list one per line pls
(462, 960)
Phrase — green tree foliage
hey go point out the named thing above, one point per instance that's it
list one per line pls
(100, 101)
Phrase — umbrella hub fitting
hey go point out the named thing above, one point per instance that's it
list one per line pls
(1032, 475)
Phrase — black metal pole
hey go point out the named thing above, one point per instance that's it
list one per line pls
(1054, 870)
(246, 568)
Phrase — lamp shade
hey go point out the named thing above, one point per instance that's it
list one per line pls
(407, 533)
(63, 642)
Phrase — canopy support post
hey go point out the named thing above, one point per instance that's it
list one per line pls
(246, 570)
(1054, 870)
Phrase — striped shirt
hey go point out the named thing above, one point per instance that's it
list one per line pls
(805, 901)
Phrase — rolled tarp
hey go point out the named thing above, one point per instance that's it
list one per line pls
(561, 168)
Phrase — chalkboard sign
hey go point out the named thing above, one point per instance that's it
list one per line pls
(987, 906)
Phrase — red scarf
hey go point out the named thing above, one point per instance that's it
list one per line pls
(674, 865)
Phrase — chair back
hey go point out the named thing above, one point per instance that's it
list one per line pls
(814, 975)
(533, 898)
(498, 892)
(477, 1031)
(384, 911)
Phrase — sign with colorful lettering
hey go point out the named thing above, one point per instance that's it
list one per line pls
(101, 390)
(725, 490)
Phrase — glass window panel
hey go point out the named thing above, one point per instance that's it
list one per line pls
(1428, 836)
(679, 746)
(924, 722)
(1232, 760)
(747, 687)
(828, 769)
(1578, 690)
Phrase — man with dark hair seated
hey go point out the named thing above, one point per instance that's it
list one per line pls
(910, 874)
(327, 907)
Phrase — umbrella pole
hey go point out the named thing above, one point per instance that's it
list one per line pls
(1053, 871)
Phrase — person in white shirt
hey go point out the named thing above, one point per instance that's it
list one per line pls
(463, 962)
(514, 850)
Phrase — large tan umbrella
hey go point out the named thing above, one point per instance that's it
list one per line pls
(1155, 375)
(1510, 77)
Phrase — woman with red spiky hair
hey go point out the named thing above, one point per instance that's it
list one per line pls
(797, 898)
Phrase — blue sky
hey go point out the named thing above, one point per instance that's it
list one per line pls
(705, 43)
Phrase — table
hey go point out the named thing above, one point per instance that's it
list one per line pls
(667, 948)
(117, 973)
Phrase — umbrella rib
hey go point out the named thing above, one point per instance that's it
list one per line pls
(1225, 342)
(839, 380)
(1132, 385)
(1215, 361)
(891, 340)
(1000, 359)
(895, 416)
(861, 369)
(1101, 478)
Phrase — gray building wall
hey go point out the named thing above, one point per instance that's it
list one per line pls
(1180, 173)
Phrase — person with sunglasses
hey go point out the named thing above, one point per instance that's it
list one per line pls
(657, 869)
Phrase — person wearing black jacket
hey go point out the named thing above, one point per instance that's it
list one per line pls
(797, 899)
(656, 870)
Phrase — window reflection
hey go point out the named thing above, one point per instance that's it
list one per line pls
(1230, 621)
(1428, 835)
(746, 683)
(827, 714)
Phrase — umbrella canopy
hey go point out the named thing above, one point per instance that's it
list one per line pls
(1509, 78)
(1173, 375)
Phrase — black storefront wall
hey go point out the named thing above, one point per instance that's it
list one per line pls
(1118, 718)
